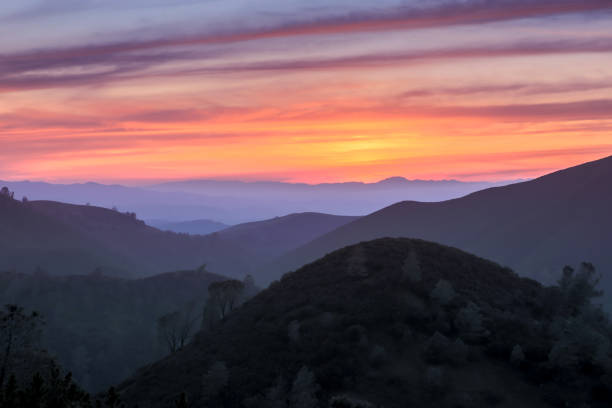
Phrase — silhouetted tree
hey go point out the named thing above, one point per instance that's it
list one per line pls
(181, 402)
(176, 328)
(19, 335)
(304, 390)
(111, 398)
(583, 336)
(51, 390)
(293, 331)
(579, 288)
(250, 289)
(223, 297)
(443, 293)
(411, 270)
(5, 192)
(517, 356)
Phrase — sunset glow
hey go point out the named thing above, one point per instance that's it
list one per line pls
(484, 90)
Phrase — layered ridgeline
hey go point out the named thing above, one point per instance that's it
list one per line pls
(395, 323)
(101, 328)
(65, 239)
(535, 227)
(233, 202)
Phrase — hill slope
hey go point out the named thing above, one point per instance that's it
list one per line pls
(535, 227)
(102, 328)
(366, 321)
(66, 239)
(193, 227)
(271, 238)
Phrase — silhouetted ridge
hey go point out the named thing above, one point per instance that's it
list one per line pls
(67, 239)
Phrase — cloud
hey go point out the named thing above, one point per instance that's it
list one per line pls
(109, 63)
(518, 88)
(558, 111)
(384, 59)
(134, 55)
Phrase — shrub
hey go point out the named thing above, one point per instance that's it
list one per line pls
(293, 331)
(436, 381)
(411, 270)
(517, 356)
(443, 293)
(304, 390)
(469, 323)
(457, 353)
(378, 356)
(436, 348)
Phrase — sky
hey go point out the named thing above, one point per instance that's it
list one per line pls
(303, 91)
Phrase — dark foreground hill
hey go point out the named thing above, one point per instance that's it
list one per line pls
(396, 323)
(102, 328)
(535, 227)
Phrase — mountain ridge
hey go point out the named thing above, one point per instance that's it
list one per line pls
(561, 217)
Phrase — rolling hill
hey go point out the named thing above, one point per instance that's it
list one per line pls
(391, 323)
(535, 227)
(66, 239)
(273, 237)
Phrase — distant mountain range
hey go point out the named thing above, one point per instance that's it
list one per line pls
(234, 202)
(534, 227)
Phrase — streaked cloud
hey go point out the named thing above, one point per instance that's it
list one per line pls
(316, 91)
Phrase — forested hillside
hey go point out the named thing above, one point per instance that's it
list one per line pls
(396, 323)
(103, 328)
